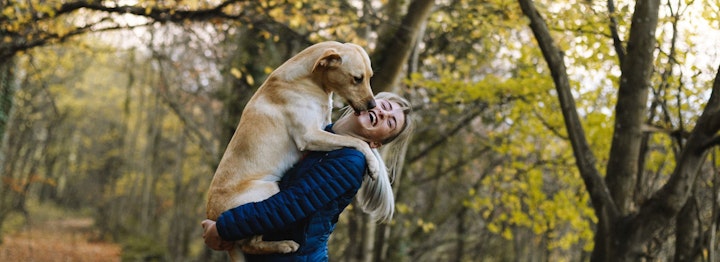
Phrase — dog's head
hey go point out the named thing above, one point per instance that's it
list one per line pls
(345, 69)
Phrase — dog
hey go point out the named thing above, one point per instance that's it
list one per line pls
(284, 117)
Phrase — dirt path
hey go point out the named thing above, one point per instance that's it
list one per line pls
(59, 240)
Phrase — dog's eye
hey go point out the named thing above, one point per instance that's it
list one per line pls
(358, 79)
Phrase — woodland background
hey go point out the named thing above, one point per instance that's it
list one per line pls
(548, 130)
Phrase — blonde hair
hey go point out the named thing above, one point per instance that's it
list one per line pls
(375, 196)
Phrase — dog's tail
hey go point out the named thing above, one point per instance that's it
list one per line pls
(376, 196)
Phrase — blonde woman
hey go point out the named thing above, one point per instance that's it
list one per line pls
(319, 187)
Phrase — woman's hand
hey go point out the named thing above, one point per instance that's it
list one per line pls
(212, 237)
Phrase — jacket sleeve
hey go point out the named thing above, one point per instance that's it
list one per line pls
(324, 182)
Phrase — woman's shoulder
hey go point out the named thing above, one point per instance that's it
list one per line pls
(349, 159)
(348, 152)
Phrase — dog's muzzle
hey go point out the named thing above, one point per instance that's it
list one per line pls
(370, 105)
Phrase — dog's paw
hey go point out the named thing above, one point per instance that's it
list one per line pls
(257, 246)
(373, 168)
(288, 246)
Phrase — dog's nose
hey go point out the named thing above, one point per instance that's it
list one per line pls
(371, 104)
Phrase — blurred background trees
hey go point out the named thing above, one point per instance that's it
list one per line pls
(120, 110)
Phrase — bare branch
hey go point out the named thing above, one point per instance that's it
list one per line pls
(617, 42)
(599, 194)
(668, 201)
(156, 14)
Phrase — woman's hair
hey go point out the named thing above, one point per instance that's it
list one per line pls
(375, 196)
(395, 145)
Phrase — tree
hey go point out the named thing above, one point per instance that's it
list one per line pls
(506, 163)
(28, 26)
(622, 232)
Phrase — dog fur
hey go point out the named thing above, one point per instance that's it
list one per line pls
(284, 117)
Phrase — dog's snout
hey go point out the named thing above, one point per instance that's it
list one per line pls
(371, 104)
(364, 105)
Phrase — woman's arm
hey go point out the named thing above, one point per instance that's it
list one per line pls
(338, 173)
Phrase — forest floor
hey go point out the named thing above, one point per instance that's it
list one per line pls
(51, 239)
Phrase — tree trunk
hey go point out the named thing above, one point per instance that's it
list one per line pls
(602, 202)
(687, 232)
(461, 230)
(630, 110)
(393, 51)
(658, 212)
(7, 92)
(712, 232)
(623, 237)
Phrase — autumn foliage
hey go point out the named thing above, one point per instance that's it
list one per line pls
(548, 130)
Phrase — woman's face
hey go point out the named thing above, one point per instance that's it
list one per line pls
(375, 125)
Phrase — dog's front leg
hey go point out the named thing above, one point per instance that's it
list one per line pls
(324, 141)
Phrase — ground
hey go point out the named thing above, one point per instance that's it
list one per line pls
(63, 239)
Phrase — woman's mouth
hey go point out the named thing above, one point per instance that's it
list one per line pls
(373, 118)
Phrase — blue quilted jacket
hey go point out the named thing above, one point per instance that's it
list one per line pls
(312, 195)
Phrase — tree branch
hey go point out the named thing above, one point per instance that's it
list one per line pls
(461, 123)
(599, 194)
(389, 60)
(43, 38)
(156, 14)
(667, 202)
(617, 42)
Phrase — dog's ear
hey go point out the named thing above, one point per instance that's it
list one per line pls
(329, 59)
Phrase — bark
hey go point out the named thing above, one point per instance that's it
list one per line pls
(712, 231)
(394, 51)
(461, 230)
(630, 110)
(7, 92)
(368, 243)
(617, 43)
(6, 96)
(660, 103)
(688, 232)
(658, 212)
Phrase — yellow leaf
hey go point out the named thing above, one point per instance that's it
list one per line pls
(402, 208)
(9, 11)
(295, 21)
(250, 80)
(268, 70)
(236, 73)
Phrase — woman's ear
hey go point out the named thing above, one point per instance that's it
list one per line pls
(375, 144)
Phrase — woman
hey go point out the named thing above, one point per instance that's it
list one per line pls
(319, 187)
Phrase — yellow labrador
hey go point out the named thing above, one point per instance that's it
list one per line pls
(285, 116)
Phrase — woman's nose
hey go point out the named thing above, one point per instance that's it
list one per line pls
(381, 113)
